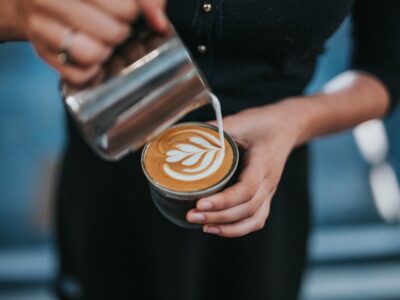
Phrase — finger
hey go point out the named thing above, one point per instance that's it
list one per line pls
(76, 76)
(97, 79)
(154, 12)
(233, 214)
(116, 65)
(238, 193)
(249, 181)
(83, 16)
(84, 50)
(212, 123)
(126, 10)
(71, 74)
(241, 228)
(133, 51)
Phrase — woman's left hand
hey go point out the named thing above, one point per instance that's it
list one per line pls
(267, 134)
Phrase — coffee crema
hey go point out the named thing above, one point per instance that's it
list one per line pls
(188, 158)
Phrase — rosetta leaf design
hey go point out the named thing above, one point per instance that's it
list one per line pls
(192, 160)
(189, 148)
(198, 157)
(174, 156)
(201, 142)
(190, 154)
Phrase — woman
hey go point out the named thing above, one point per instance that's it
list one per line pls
(257, 56)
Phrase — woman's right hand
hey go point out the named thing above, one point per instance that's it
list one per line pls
(95, 28)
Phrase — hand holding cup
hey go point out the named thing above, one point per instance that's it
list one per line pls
(267, 136)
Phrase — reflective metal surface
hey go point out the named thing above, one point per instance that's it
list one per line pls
(149, 83)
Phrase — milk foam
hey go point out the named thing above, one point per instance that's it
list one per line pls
(218, 114)
(208, 157)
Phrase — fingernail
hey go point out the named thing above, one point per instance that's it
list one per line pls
(212, 230)
(197, 218)
(205, 205)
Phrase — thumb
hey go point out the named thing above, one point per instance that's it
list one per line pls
(214, 123)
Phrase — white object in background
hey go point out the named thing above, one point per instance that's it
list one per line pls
(373, 144)
(386, 191)
(340, 82)
(372, 141)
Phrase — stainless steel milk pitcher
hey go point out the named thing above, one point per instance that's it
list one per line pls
(148, 84)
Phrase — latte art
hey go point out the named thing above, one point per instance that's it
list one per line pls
(188, 158)
(198, 158)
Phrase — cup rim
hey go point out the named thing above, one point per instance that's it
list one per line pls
(179, 195)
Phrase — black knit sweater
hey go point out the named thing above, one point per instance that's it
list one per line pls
(260, 51)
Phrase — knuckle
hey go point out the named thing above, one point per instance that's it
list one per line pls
(105, 53)
(253, 208)
(248, 191)
(97, 55)
(272, 189)
(131, 10)
(89, 51)
(248, 212)
(119, 34)
(265, 184)
(33, 23)
(260, 225)
(219, 218)
(102, 53)
(83, 57)
(223, 202)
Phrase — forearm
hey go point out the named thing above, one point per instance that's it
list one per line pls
(346, 101)
(10, 25)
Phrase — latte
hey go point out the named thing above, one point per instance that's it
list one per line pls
(188, 158)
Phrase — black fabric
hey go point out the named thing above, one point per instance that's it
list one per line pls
(121, 247)
(377, 47)
(112, 238)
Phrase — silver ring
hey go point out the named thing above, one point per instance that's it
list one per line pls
(63, 56)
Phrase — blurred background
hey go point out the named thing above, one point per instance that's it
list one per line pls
(355, 243)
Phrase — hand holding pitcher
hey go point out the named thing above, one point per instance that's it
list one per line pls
(76, 37)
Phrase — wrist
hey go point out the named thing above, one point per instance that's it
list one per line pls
(298, 114)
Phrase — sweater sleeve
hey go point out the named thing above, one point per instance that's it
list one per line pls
(376, 34)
